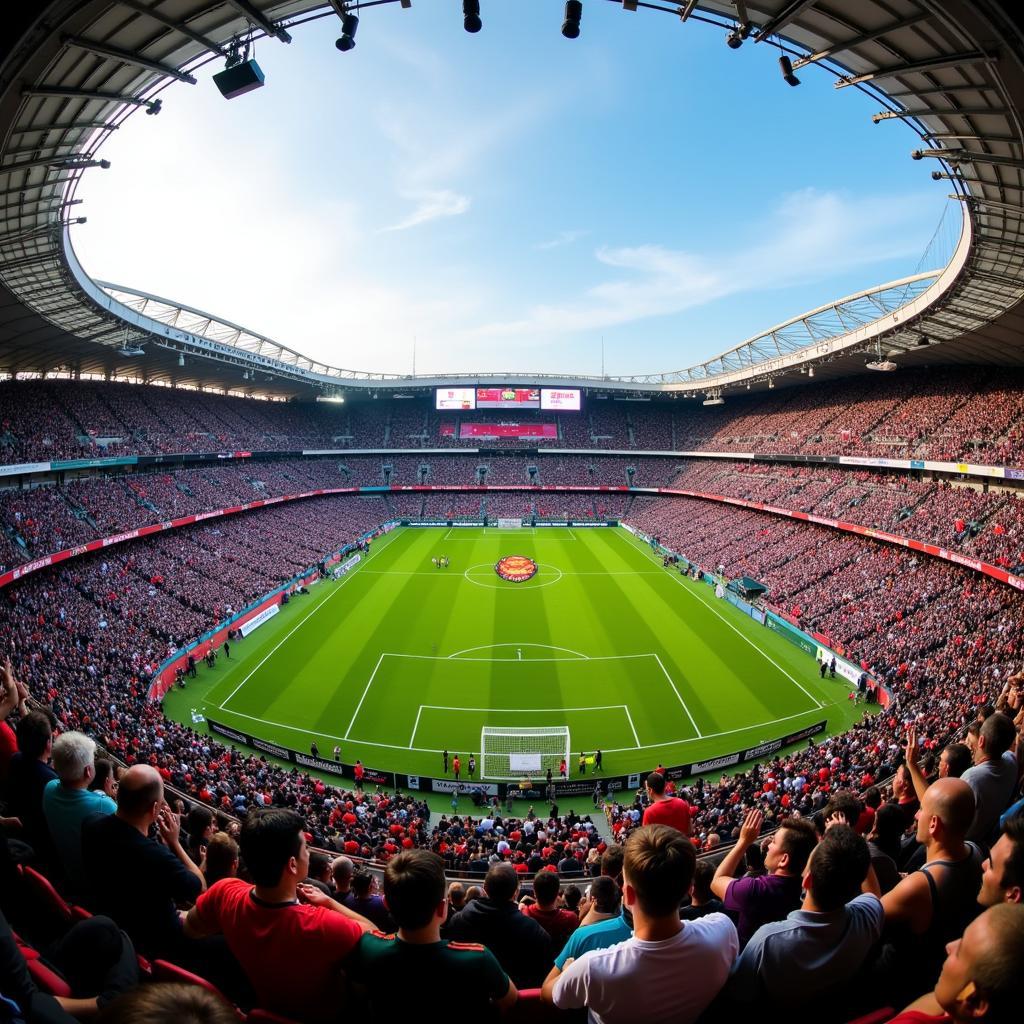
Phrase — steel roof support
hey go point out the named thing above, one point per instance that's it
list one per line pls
(129, 58)
(257, 17)
(959, 60)
(178, 26)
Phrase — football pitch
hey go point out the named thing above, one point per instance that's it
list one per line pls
(399, 660)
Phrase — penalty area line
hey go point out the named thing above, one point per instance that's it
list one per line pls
(366, 690)
(416, 725)
(675, 689)
(629, 717)
(222, 706)
(764, 654)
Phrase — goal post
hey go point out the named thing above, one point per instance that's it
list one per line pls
(512, 754)
(509, 524)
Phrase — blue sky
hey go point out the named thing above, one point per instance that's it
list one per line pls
(509, 198)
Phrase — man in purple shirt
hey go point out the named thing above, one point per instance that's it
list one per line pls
(363, 900)
(769, 897)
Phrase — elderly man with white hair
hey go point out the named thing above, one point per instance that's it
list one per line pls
(68, 802)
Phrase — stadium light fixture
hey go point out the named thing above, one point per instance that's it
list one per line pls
(471, 16)
(810, 371)
(881, 363)
(349, 24)
(240, 74)
(786, 67)
(181, 359)
(573, 14)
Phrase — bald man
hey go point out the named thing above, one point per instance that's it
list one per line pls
(982, 979)
(137, 880)
(342, 870)
(933, 905)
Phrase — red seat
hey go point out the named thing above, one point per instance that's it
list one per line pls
(46, 896)
(164, 970)
(47, 979)
(876, 1016)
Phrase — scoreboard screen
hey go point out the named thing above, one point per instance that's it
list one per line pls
(560, 399)
(508, 398)
(454, 399)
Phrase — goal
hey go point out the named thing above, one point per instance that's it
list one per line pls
(510, 524)
(513, 754)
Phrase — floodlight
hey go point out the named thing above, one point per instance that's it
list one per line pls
(471, 16)
(573, 13)
(734, 40)
(810, 371)
(181, 359)
(786, 67)
(349, 24)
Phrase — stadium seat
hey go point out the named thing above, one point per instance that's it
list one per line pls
(48, 913)
(876, 1016)
(164, 970)
(47, 978)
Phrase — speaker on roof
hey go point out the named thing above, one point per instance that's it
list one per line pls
(239, 79)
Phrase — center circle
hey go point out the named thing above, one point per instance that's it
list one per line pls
(516, 568)
(484, 575)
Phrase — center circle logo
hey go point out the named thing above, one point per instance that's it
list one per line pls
(516, 568)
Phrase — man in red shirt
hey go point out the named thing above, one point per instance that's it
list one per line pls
(559, 923)
(291, 939)
(664, 809)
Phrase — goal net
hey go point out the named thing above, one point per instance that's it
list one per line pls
(514, 754)
(510, 524)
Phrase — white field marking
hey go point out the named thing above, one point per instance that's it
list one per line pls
(326, 736)
(366, 690)
(564, 572)
(678, 694)
(416, 725)
(571, 534)
(498, 586)
(516, 711)
(517, 644)
(625, 708)
(727, 732)
(527, 531)
(515, 661)
(738, 632)
(610, 750)
(301, 622)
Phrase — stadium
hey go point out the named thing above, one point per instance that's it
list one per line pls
(707, 684)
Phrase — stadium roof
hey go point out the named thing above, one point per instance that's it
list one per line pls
(72, 72)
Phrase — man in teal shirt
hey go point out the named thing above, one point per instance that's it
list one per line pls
(68, 802)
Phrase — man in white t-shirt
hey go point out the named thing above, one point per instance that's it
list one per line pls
(669, 970)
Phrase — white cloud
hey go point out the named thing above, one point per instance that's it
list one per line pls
(562, 238)
(431, 206)
(811, 236)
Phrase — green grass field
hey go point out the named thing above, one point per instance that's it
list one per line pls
(399, 660)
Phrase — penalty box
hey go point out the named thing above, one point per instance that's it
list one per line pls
(430, 703)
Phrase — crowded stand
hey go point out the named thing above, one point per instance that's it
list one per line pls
(812, 857)
(969, 414)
